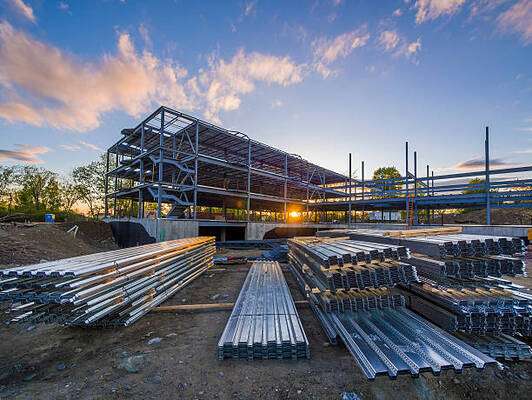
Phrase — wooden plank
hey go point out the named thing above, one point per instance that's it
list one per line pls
(424, 232)
(183, 308)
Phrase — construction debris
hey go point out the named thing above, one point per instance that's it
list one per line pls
(104, 289)
(264, 322)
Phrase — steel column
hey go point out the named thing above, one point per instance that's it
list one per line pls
(487, 179)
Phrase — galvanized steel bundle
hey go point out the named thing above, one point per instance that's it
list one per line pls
(344, 264)
(445, 246)
(387, 339)
(474, 310)
(104, 289)
(498, 346)
(264, 323)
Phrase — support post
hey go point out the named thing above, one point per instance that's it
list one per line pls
(415, 189)
(407, 216)
(349, 215)
(363, 192)
(196, 153)
(487, 179)
(160, 169)
(285, 186)
(248, 203)
(428, 194)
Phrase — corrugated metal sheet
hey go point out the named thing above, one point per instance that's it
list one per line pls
(264, 322)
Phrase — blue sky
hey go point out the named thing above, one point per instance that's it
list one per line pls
(319, 78)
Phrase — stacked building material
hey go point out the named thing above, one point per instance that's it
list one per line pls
(264, 323)
(477, 310)
(498, 346)
(104, 289)
(380, 333)
(339, 264)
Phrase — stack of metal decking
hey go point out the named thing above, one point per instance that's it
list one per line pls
(264, 323)
(462, 289)
(380, 333)
(104, 289)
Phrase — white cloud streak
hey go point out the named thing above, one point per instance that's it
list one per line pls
(518, 20)
(432, 9)
(25, 153)
(23, 9)
(326, 51)
(388, 40)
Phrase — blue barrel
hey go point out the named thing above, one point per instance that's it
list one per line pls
(49, 218)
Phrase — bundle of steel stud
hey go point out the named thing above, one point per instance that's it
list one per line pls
(498, 346)
(384, 337)
(264, 323)
(112, 288)
(446, 246)
(343, 264)
(477, 310)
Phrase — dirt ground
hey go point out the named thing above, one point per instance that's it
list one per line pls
(54, 362)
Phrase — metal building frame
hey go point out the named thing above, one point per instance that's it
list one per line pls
(174, 158)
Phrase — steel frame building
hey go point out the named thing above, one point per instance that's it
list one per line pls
(177, 159)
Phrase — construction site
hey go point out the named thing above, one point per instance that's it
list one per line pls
(241, 271)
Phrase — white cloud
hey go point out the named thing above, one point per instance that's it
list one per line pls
(397, 13)
(23, 9)
(25, 153)
(518, 20)
(70, 147)
(413, 47)
(277, 103)
(326, 51)
(79, 146)
(432, 9)
(250, 8)
(44, 86)
(63, 6)
(388, 40)
(221, 86)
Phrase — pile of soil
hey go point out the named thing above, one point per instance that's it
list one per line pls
(498, 217)
(31, 243)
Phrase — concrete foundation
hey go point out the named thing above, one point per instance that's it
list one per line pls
(165, 229)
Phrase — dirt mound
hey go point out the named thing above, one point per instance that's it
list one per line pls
(498, 217)
(27, 244)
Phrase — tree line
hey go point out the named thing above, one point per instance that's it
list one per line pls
(34, 191)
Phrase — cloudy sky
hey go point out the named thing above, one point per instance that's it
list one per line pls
(320, 78)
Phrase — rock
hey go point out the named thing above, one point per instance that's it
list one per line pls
(200, 393)
(326, 344)
(154, 341)
(30, 328)
(29, 377)
(79, 350)
(456, 381)
(156, 379)
(221, 374)
(299, 392)
(216, 297)
(132, 364)
(60, 367)
(183, 300)
(171, 335)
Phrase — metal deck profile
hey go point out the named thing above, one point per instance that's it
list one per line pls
(264, 323)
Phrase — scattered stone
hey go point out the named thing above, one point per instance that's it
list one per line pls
(43, 260)
(216, 296)
(29, 377)
(154, 341)
(326, 344)
(30, 328)
(79, 350)
(171, 335)
(180, 362)
(156, 379)
(132, 364)
(221, 374)
(183, 300)
(60, 367)
(299, 392)
(200, 393)
(456, 381)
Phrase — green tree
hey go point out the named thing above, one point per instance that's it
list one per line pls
(475, 188)
(90, 181)
(383, 174)
(9, 175)
(39, 190)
